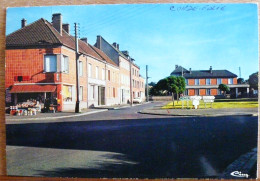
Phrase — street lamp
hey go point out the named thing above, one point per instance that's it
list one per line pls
(131, 81)
(147, 86)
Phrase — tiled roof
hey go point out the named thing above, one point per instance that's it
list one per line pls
(202, 73)
(36, 33)
(42, 33)
(179, 69)
(208, 74)
(104, 56)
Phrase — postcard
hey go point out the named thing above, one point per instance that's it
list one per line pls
(132, 91)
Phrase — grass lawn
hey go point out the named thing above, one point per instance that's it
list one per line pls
(215, 105)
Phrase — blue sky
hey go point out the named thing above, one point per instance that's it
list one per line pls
(224, 36)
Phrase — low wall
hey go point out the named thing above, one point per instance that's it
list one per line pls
(160, 98)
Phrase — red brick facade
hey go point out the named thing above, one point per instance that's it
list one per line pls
(30, 63)
(201, 90)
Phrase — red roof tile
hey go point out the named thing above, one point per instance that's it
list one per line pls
(42, 33)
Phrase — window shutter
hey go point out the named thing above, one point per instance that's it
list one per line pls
(59, 63)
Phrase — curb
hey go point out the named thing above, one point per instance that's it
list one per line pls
(59, 117)
(197, 115)
(116, 108)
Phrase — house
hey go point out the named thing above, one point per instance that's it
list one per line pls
(40, 64)
(111, 74)
(129, 72)
(206, 82)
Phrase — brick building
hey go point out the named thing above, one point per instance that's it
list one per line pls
(41, 65)
(129, 77)
(206, 82)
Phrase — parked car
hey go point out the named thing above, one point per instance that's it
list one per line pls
(137, 100)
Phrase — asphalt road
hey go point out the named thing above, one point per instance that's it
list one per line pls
(125, 144)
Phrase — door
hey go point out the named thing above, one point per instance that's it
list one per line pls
(102, 95)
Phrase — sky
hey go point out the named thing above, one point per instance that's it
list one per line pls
(196, 36)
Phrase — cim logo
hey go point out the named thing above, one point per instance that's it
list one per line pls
(239, 174)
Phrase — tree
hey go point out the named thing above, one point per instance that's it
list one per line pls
(240, 81)
(152, 84)
(224, 88)
(253, 80)
(173, 85)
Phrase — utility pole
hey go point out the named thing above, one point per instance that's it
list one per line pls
(131, 83)
(239, 72)
(147, 86)
(77, 108)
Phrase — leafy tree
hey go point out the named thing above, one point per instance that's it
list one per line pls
(253, 80)
(224, 88)
(152, 84)
(240, 81)
(172, 84)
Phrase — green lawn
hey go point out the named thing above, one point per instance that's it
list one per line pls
(215, 105)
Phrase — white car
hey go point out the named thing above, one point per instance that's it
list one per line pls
(137, 100)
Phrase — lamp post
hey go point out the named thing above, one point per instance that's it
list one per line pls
(131, 82)
(147, 86)
(77, 107)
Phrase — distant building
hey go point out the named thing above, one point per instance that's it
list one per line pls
(206, 82)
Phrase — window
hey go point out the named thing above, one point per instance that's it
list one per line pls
(81, 93)
(108, 75)
(67, 93)
(133, 72)
(186, 81)
(208, 81)
(197, 92)
(114, 92)
(89, 70)
(91, 92)
(97, 72)
(186, 92)
(50, 63)
(208, 91)
(197, 81)
(103, 74)
(219, 92)
(80, 68)
(219, 81)
(64, 64)
(230, 81)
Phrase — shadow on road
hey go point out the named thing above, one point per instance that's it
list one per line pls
(159, 148)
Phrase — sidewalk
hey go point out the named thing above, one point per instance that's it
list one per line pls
(121, 106)
(60, 115)
(202, 112)
(57, 115)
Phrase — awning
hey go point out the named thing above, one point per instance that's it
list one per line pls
(32, 88)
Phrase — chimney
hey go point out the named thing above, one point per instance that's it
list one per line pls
(66, 27)
(98, 43)
(24, 22)
(115, 45)
(57, 22)
(126, 53)
(85, 40)
(210, 69)
(190, 70)
(176, 66)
